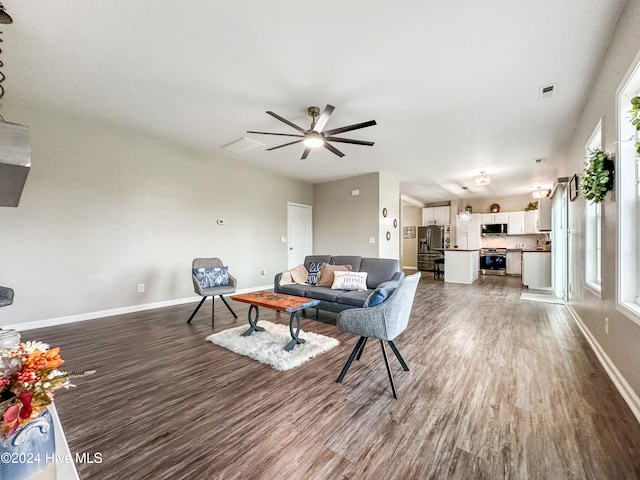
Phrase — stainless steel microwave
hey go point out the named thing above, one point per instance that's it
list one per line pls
(494, 229)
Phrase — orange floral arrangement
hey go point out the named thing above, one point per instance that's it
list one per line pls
(28, 377)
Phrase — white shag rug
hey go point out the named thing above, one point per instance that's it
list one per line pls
(541, 297)
(268, 347)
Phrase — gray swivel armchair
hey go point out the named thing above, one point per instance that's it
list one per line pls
(384, 321)
(6, 296)
(211, 291)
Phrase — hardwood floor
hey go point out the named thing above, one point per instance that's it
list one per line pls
(498, 388)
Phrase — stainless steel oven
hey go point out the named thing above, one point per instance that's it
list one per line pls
(493, 261)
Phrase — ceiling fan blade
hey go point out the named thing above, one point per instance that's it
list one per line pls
(348, 140)
(284, 120)
(333, 149)
(281, 134)
(305, 154)
(355, 126)
(285, 144)
(324, 118)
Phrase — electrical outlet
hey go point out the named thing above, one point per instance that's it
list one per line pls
(372, 239)
(606, 325)
(140, 287)
(263, 272)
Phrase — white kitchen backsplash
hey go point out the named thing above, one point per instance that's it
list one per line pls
(511, 241)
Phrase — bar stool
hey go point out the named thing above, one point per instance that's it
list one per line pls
(438, 268)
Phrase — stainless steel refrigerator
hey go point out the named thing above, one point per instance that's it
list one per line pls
(431, 242)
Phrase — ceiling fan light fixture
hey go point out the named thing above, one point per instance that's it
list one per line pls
(482, 179)
(313, 140)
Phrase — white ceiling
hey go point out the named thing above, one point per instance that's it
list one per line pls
(453, 86)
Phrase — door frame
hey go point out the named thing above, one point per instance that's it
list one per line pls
(310, 208)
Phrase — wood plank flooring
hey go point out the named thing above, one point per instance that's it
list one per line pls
(498, 388)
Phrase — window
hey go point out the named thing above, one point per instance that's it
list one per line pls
(627, 175)
(593, 226)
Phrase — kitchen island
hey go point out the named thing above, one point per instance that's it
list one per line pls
(536, 269)
(461, 266)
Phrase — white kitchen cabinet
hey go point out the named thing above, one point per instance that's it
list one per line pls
(514, 262)
(544, 216)
(536, 270)
(476, 221)
(495, 218)
(515, 225)
(461, 266)
(436, 215)
(468, 233)
(531, 220)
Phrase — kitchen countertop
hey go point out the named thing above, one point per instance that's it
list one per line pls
(527, 250)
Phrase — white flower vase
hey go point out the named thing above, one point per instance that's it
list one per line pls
(30, 451)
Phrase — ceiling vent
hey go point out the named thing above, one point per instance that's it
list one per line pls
(242, 145)
(546, 91)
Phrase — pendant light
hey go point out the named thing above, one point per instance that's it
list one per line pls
(464, 215)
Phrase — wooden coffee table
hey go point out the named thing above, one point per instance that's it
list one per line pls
(276, 301)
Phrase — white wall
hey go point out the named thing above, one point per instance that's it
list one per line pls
(411, 217)
(389, 189)
(620, 345)
(105, 209)
(343, 223)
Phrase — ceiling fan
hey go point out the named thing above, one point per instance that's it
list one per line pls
(315, 137)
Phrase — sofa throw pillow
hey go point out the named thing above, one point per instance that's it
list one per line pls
(325, 279)
(212, 277)
(314, 270)
(378, 296)
(299, 274)
(349, 281)
(286, 279)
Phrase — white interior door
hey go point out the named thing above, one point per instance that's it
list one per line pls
(299, 233)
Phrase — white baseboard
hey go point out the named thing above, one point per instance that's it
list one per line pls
(52, 322)
(616, 377)
(409, 267)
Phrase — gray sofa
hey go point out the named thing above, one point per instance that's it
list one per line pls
(381, 272)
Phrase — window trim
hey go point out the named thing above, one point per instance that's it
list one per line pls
(627, 217)
(590, 215)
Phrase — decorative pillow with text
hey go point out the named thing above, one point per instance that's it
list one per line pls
(349, 281)
(314, 270)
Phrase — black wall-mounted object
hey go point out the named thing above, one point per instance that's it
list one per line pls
(15, 162)
(573, 187)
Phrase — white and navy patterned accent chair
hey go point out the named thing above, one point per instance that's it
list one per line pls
(211, 291)
(384, 321)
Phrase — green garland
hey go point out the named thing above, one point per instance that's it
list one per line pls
(635, 119)
(598, 176)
